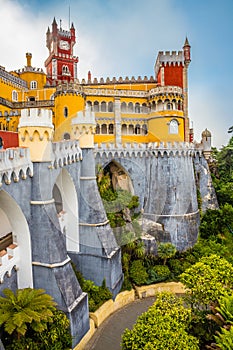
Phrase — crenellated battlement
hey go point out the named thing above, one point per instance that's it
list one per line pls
(86, 117)
(65, 152)
(64, 33)
(29, 69)
(128, 150)
(15, 163)
(171, 58)
(73, 88)
(119, 80)
(36, 117)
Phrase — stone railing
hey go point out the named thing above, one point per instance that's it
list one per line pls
(165, 90)
(9, 258)
(34, 104)
(65, 152)
(114, 92)
(13, 163)
(111, 150)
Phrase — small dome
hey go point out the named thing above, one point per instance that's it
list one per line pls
(206, 133)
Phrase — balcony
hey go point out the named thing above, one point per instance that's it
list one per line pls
(9, 259)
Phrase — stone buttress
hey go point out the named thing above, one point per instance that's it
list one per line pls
(52, 268)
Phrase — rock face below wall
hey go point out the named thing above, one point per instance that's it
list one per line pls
(205, 185)
(165, 180)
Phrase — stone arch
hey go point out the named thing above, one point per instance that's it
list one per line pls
(103, 106)
(13, 221)
(66, 203)
(96, 106)
(123, 107)
(104, 129)
(119, 176)
(110, 106)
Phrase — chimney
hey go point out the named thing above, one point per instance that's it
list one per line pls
(29, 59)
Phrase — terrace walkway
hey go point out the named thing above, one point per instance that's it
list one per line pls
(108, 335)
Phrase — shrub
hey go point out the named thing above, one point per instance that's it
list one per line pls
(158, 273)
(138, 273)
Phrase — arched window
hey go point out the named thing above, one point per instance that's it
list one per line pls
(96, 106)
(144, 129)
(130, 107)
(174, 104)
(97, 129)
(103, 107)
(124, 129)
(103, 129)
(179, 105)
(123, 107)
(66, 136)
(160, 105)
(65, 112)
(131, 129)
(153, 106)
(33, 84)
(89, 104)
(144, 108)
(110, 106)
(14, 96)
(137, 129)
(169, 106)
(173, 126)
(65, 70)
(137, 107)
(111, 129)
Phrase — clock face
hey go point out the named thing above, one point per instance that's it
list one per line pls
(64, 45)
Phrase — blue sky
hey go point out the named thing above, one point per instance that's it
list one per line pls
(123, 37)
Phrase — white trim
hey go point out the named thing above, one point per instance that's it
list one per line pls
(49, 201)
(94, 225)
(51, 266)
(88, 178)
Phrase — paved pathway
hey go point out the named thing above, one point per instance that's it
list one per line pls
(108, 335)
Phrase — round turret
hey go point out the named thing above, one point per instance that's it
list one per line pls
(206, 143)
(206, 133)
(36, 132)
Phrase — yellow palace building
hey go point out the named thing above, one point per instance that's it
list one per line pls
(126, 110)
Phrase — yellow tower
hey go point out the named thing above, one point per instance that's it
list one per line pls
(83, 128)
(36, 132)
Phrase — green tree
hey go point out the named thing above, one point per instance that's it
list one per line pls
(208, 280)
(55, 337)
(166, 251)
(163, 327)
(24, 308)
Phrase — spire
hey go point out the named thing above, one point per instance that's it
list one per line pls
(54, 21)
(186, 49)
(186, 43)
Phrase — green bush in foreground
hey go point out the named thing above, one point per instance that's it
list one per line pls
(163, 327)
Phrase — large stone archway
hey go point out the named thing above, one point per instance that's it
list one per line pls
(66, 203)
(14, 224)
(119, 177)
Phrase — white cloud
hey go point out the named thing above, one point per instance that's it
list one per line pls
(121, 38)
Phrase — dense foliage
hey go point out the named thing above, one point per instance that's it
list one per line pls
(163, 327)
(30, 320)
(97, 295)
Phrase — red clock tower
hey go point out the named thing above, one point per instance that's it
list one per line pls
(61, 65)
